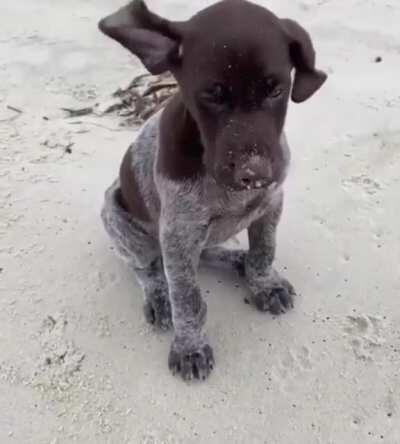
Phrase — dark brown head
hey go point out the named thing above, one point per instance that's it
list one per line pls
(233, 62)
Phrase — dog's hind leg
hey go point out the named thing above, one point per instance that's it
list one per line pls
(221, 257)
(142, 252)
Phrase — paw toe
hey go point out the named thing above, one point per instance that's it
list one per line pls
(158, 313)
(174, 362)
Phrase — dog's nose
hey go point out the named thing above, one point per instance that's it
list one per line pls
(256, 172)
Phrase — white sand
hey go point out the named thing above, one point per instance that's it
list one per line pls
(77, 361)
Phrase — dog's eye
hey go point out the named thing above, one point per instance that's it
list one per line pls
(273, 90)
(218, 94)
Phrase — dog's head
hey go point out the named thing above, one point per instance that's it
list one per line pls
(233, 62)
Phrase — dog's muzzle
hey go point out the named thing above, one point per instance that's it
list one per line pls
(254, 172)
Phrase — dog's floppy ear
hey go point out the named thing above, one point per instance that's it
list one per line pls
(148, 36)
(307, 78)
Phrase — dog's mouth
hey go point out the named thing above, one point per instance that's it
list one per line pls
(258, 185)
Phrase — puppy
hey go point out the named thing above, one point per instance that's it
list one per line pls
(209, 165)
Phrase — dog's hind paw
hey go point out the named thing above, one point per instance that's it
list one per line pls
(277, 299)
(157, 312)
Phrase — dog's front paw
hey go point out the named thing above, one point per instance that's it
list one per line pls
(157, 312)
(277, 297)
(191, 362)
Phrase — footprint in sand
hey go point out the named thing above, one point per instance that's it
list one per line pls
(153, 438)
(365, 183)
(292, 368)
(365, 335)
(103, 279)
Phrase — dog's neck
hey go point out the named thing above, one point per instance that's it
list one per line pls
(180, 154)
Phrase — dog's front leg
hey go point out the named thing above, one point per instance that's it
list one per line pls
(270, 291)
(182, 243)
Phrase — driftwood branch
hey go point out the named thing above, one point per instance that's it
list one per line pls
(143, 97)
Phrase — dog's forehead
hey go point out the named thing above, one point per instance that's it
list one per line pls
(232, 11)
(235, 36)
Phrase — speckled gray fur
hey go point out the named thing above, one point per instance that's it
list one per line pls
(189, 220)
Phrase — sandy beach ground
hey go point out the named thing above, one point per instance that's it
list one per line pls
(78, 364)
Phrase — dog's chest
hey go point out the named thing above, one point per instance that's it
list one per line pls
(232, 213)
